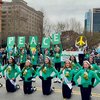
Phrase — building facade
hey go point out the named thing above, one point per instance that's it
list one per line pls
(18, 19)
(0, 19)
(92, 20)
(96, 20)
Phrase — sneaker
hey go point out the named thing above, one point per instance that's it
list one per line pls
(53, 88)
(35, 89)
(59, 81)
(33, 80)
(20, 80)
(17, 86)
(55, 81)
(1, 85)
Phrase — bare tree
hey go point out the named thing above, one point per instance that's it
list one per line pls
(60, 26)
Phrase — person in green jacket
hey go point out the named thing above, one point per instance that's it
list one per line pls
(75, 66)
(86, 54)
(23, 57)
(27, 75)
(67, 76)
(34, 59)
(86, 76)
(47, 75)
(57, 61)
(10, 73)
(94, 67)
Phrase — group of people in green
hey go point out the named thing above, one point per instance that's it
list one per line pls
(70, 73)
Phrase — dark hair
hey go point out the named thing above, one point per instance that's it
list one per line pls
(74, 59)
(92, 58)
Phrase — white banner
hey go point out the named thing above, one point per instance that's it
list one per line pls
(67, 54)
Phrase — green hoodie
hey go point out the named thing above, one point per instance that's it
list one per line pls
(86, 77)
(27, 73)
(67, 74)
(34, 58)
(47, 71)
(23, 58)
(11, 71)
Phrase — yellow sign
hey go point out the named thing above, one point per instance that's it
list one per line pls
(81, 41)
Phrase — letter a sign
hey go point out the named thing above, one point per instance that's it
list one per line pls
(21, 41)
(46, 42)
(33, 40)
(56, 38)
(10, 41)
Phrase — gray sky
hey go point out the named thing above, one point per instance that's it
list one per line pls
(61, 10)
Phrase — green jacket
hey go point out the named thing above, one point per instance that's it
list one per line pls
(28, 73)
(11, 71)
(23, 57)
(67, 74)
(86, 77)
(47, 71)
(57, 57)
(34, 58)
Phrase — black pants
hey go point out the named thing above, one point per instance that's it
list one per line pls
(93, 80)
(10, 87)
(22, 65)
(27, 87)
(46, 86)
(85, 93)
(73, 82)
(58, 66)
(66, 91)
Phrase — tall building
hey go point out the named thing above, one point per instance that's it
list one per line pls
(88, 26)
(92, 20)
(0, 19)
(18, 19)
(96, 20)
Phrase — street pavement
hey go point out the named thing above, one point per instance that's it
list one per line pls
(57, 95)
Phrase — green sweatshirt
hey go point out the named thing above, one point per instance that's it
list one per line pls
(23, 58)
(67, 74)
(11, 71)
(34, 58)
(27, 73)
(47, 71)
(57, 55)
(86, 77)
